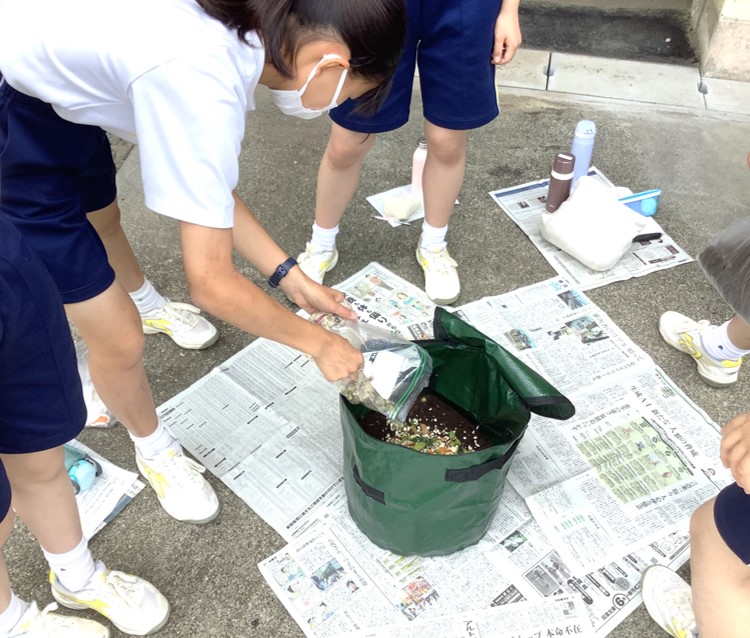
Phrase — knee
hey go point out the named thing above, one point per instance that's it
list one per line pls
(123, 349)
(107, 221)
(448, 147)
(344, 152)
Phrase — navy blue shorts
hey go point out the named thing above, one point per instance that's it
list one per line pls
(53, 172)
(732, 517)
(452, 42)
(41, 401)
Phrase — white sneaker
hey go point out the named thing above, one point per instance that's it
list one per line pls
(440, 275)
(180, 486)
(183, 323)
(315, 262)
(43, 624)
(684, 334)
(669, 601)
(132, 604)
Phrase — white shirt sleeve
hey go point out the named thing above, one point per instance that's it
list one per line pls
(189, 119)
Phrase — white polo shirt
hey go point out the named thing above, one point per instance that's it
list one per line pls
(159, 73)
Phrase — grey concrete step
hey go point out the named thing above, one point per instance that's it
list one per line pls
(644, 30)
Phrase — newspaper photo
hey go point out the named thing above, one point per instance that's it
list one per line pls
(525, 204)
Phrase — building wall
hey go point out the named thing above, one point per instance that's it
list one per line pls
(722, 32)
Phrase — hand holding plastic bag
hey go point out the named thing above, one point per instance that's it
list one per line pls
(395, 370)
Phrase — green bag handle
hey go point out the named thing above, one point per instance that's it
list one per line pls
(473, 473)
(540, 396)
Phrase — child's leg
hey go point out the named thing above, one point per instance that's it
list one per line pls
(181, 322)
(720, 576)
(443, 172)
(738, 332)
(338, 177)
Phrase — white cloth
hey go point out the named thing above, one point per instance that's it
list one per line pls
(160, 73)
(592, 225)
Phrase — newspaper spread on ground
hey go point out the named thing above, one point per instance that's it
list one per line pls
(267, 424)
(524, 204)
(109, 494)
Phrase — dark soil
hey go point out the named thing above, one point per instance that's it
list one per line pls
(434, 412)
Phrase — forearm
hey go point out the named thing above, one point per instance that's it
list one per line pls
(252, 241)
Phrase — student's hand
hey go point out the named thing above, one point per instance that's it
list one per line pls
(507, 35)
(336, 357)
(311, 296)
(735, 449)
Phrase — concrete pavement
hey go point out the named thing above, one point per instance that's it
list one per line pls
(696, 155)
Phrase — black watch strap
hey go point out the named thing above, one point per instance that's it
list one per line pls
(281, 272)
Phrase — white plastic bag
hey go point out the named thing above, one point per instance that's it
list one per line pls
(592, 225)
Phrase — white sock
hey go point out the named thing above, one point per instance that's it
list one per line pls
(324, 238)
(717, 345)
(147, 298)
(432, 238)
(151, 446)
(74, 568)
(10, 617)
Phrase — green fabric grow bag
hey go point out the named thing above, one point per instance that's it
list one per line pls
(414, 503)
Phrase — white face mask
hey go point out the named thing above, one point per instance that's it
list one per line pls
(290, 102)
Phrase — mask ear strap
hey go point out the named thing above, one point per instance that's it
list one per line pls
(327, 56)
(340, 86)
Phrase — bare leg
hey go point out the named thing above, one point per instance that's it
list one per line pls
(106, 221)
(739, 333)
(111, 327)
(443, 172)
(338, 174)
(720, 581)
(43, 498)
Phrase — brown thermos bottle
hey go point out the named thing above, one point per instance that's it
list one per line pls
(560, 180)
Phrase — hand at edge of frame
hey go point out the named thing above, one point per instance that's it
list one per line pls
(735, 449)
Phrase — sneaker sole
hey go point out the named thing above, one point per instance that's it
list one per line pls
(147, 330)
(65, 602)
(706, 379)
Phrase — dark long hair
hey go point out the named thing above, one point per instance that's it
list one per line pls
(374, 31)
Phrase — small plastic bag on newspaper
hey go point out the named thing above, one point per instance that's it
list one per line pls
(409, 502)
(395, 370)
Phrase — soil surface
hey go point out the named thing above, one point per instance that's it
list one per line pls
(438, 416)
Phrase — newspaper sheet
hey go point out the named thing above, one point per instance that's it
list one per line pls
(109, 494)
(524, 204)
(267, 424)
(638, 456)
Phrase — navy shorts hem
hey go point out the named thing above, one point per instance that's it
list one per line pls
(371, 129)
(91, 290)
(25, 446)
(457, 125)
(732, 518)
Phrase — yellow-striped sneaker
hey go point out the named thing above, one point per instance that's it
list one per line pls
(669, 601)
(183, 323)
(315, 262)
(180, 487)
(44, 624)
(684, 334)
(132, 604)
(440, 275)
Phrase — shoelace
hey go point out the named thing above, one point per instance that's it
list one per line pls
(311, 252)
(124, 587)
(184, 470)
(181, 313)
(680, 606)
(45, 621)
(440, 261)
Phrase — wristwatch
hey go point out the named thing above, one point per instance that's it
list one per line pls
(281, 272)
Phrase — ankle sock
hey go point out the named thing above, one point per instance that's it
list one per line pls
(74, 568)
(433, 238)
(324, 238)
(147, 298)
(10, 617)
(717, 345)
(151, 446)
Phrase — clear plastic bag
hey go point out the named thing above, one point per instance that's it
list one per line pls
(395, 370)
